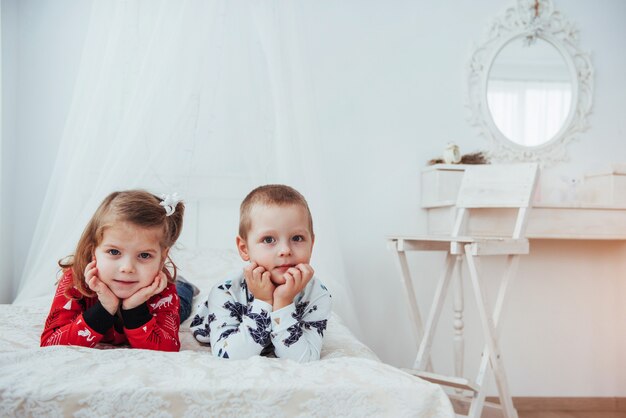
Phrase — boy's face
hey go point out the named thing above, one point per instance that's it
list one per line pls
(279, 238)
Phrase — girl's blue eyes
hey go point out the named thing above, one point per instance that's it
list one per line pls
(143, 256)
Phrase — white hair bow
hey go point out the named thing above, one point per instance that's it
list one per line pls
(169, 203)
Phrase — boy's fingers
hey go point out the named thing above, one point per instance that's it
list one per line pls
(306, 269)
(252, 265)
(295, 273)
(258, 272)
(289, 280)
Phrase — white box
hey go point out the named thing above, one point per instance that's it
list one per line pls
(440, 184)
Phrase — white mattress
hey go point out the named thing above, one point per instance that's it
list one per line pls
(348, 381)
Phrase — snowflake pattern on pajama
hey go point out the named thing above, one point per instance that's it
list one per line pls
(237, 326)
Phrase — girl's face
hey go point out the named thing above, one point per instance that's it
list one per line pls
(279, 238)
(129, 258)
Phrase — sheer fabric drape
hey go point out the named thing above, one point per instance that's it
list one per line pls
(205, 98)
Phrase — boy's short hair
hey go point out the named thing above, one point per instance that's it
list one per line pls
(270, 194)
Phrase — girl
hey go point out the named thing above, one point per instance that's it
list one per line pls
(116, 287)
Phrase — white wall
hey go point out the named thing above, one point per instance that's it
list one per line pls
(8, 11)
(42, 43)
(390, 86)
(390, 83)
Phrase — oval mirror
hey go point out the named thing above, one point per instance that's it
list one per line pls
(529, 85)
(529, 91)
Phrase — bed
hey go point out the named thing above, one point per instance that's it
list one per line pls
(348, 381)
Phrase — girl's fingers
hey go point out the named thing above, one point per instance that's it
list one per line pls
(153, 289)
(163, 282)
(93, 283)
(157, 286)
(91, 265)
(153, 286)
(89, 269)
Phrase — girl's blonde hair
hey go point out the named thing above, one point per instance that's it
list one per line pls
(137, 207)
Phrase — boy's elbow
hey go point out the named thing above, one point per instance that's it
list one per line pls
(305, 356)
(314, 356)
(237, 354)
(218, 351)
(229, 356)
(307, 359)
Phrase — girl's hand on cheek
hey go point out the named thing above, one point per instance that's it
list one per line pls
(142, 295)
(259, 282)
(109, 301)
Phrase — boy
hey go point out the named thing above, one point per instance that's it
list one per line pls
(276, 305)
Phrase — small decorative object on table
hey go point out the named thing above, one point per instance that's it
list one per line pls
(452, 155)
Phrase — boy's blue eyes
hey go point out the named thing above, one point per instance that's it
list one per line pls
(272, 240)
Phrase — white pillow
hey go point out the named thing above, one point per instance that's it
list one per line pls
(205, 268)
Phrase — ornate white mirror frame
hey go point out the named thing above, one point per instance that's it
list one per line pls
(531, 20)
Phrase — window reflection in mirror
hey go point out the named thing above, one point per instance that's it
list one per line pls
(529, 91)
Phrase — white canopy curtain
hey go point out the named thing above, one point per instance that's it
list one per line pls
(205, 98)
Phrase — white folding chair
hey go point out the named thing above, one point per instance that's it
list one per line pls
(503, 186)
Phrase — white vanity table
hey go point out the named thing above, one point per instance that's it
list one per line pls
(531, 47)
(575, 220)
(552, 221)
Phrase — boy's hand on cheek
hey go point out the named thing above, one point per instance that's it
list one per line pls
(259, 282)
(296, 279)
(142, 295)
(109, 301)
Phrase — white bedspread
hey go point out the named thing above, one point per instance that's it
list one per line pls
(349, 381)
